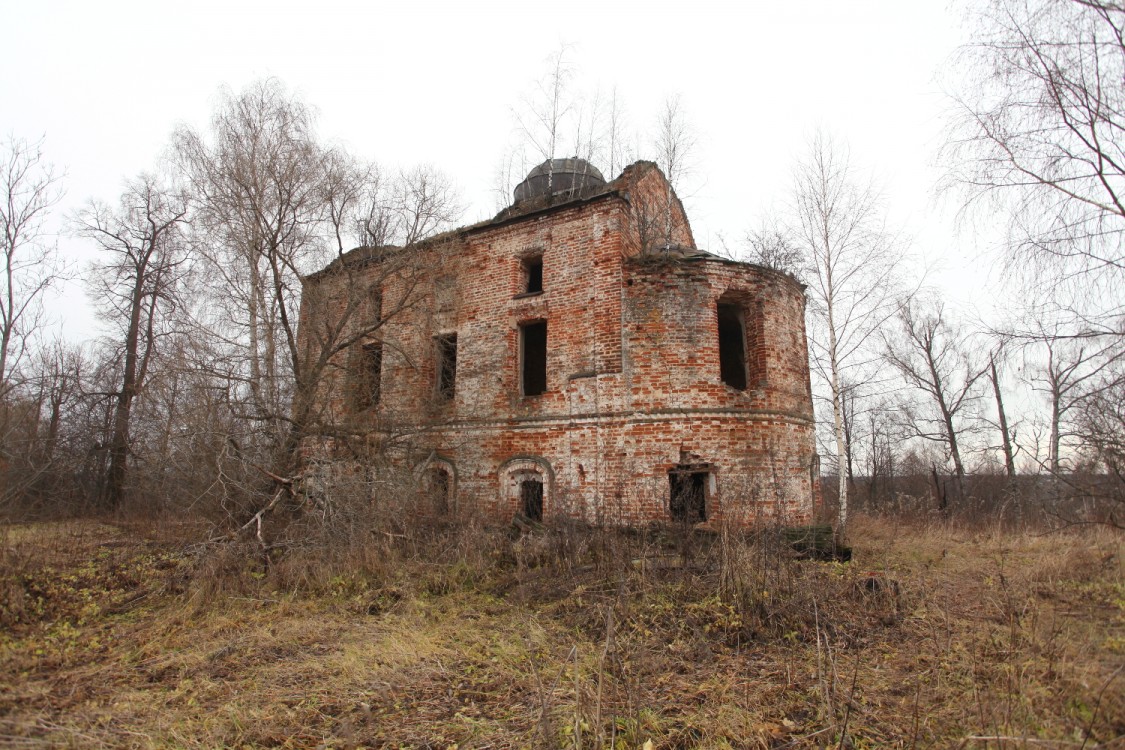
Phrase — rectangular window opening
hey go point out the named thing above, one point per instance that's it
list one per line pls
(446, 366)
(533, 274)
(533, 358)
(688, 499)
(369, 376)
(531, 499)
(732, 347)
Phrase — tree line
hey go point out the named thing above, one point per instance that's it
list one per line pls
(203, 390)
(908, 388)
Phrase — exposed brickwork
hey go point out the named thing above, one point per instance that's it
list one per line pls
(633, 379)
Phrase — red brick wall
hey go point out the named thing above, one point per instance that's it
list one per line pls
(633, 385)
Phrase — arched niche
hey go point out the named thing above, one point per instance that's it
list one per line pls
(527, 486)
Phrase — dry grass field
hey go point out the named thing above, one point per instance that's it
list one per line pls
(111, 635)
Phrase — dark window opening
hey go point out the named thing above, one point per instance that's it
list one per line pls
(437, 486)
(732, 347)
(446, 366)
(533, 356)
(533, 274)
(531, 498)
(688, 499)
(370, 376)
(376, 302)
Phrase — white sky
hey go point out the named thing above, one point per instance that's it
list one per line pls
(106, 82)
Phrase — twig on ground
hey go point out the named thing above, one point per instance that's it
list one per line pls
(1000, 738)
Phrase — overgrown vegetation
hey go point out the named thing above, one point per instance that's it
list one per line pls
(461, 635)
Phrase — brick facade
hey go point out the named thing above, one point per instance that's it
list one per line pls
(635, 422)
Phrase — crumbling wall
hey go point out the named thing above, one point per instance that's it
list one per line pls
(655, 219)
(634, 392)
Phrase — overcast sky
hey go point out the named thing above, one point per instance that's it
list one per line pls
(105, 83)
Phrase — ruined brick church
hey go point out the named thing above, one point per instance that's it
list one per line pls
(575, 357)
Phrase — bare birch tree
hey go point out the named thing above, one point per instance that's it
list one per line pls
(260, 222)
(29, 189)
(546, 116)
(852, 265)
(617, 149)
(675, 149)
(1038, 131)
(557, 121)
(274, 204)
